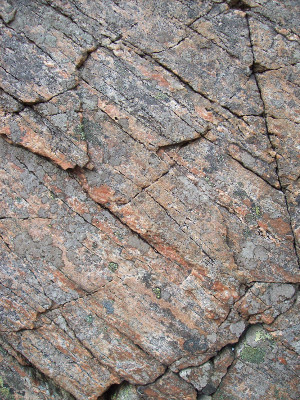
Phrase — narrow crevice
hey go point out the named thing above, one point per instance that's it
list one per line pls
(265, 114)
(10, 17)
(120, 220)
(171, 47)
(224, 47)
(184, 81)
(239, 5)
(25, 218)
(235, 358)
(257, 68)
(25, 329)
(112, 391)
(292, 230)
(116, 389)
(30, 104)
(209, 389)
(255, 173)
(181, 144)
(143, 189)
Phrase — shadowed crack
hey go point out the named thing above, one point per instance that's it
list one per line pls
(144, 54)
(239, 5)
(32, 376)
(282, 188)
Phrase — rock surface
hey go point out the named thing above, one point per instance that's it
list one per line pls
(149, 219)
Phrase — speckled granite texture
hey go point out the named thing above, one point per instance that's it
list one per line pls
(149, 219)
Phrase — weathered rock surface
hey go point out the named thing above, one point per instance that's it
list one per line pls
(149, 180)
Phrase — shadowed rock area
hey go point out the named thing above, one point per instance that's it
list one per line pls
(150, 192)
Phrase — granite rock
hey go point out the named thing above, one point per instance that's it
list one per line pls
(149, 181)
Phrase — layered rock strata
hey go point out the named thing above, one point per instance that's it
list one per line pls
(149, 219)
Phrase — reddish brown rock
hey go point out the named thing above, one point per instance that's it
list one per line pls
(258, 369)
(67, 148)
(265, 301)
(170, 385)
(149, 169)
(64, 360)
(20, 380)
(286, 328)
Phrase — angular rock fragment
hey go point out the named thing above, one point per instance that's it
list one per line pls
(168, 385)
(279, 90)
(286, 328)
(265, 301)
(42, 78)
(210, 70)
(258, 369)
(207, 377)
(271, 49)
(106, 343)
(65, 145)
(64, 360)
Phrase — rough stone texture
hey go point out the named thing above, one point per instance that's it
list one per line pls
(260, 355)
(149, 180)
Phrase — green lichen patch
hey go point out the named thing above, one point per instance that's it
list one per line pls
(90, 319)
(254, 214)
(5, 392)
(52, 195)
(157, 292)
(257, 211)
(254, 355)
(113, 266)
(124, 392)
(209, 182)
(79, 131)
(262, 335)
(279, 395)
(161, 96)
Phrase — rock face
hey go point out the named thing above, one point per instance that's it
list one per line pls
(149, 219)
